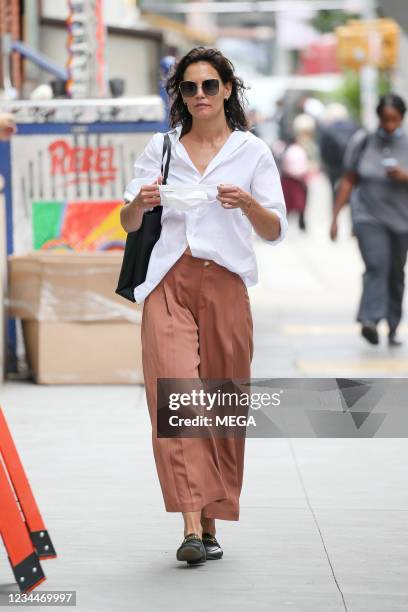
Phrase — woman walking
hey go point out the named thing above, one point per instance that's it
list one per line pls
(197, 319)
(376, 178)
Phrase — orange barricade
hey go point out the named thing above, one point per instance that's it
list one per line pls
(21, 526)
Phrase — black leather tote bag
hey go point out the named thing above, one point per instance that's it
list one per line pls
(139, 244)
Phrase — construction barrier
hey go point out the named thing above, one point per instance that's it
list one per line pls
(22, 528)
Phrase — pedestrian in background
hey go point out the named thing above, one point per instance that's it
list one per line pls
(294, 170)
(7, 126)
(197, 321)
(299, 163)
(335, 132)
(375, 182)
(304, 127)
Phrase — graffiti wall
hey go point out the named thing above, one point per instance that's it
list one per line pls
(67, 189)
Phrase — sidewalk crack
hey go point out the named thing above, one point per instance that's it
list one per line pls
(312, 512)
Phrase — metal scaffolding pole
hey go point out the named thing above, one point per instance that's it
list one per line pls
(369, 74)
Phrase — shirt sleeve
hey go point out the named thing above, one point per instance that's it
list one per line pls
(266, 188)
(147, 166)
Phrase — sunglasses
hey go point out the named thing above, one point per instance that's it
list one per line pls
(189, 89)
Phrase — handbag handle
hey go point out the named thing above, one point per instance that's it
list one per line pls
(166, 149)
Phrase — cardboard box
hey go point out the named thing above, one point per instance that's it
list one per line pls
(84, 352)
(68, 286)
(76, 329)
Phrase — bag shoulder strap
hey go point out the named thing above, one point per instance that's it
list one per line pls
(364, 137)
(166, 150)
(361, 137)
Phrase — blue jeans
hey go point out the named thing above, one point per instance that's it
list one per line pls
(384, 254)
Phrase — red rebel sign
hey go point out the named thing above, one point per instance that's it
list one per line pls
(95, 163)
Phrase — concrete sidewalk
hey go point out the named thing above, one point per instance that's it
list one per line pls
(306, 302)
(323, 527)
(324, 522)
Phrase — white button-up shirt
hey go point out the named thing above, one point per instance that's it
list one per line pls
(211, 231)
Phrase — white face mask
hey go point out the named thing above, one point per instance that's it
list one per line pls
(183, 197)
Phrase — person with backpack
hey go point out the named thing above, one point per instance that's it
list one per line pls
(375, 182)
(334, 134)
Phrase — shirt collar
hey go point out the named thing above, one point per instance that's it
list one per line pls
(235, 140)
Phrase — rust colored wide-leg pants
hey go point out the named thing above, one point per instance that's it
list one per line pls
(197, 323)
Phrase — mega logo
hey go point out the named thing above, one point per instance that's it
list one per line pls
(82, 164)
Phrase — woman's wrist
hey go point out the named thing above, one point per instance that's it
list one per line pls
(139, 205)
(247, 204)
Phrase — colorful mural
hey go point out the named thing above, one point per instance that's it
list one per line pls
(77, 226)
(67, 189)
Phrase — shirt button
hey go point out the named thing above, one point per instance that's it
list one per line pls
(206, 263)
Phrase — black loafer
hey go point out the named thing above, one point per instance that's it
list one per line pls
(192, 549)
(369, 332)
(212, 548)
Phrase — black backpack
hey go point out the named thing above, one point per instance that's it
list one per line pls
(334, 140)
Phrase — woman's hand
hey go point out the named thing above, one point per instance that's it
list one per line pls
(131, 214)
(266, 223)
(398, 174)
(231, 196)
(149, 195)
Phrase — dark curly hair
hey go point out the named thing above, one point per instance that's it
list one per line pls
(235, 113)
(392, 100)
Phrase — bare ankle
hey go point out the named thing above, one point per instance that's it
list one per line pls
(193, 527)
(208, 525)
(192, 523)
(197, 530)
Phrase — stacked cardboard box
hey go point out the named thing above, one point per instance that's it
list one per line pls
(76, 329)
